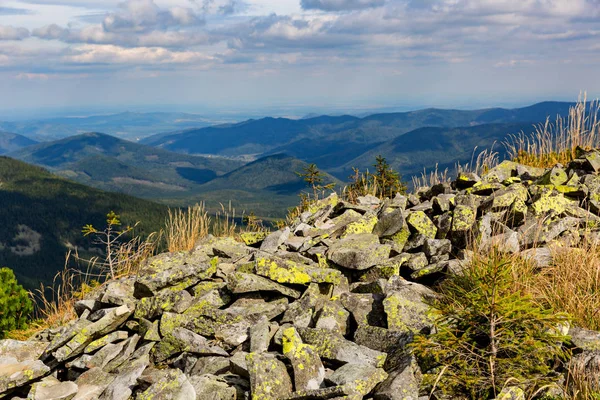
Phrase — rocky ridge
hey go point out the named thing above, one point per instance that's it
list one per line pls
(322, 309)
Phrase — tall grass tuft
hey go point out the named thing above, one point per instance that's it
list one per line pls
(224, 224)
(571, 283)
(185, 227)
(431, 178)
(557, 142)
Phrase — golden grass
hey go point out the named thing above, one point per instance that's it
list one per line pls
(184, 228)
(572, 284)
(431, 178)
(224, 224)
(557, 142)
(582, 382)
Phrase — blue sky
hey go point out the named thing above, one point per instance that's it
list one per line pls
(223, 54)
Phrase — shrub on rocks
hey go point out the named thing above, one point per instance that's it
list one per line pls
(489, 331)
(15, 304)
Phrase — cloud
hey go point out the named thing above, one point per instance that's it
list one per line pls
(12, 33)
(109, 54)
(340, 5)
(32, 76)
(145, 15)
(14, 11)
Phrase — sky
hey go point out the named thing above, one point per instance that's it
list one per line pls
(261, 54)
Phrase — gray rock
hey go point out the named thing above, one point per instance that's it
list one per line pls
(210, 365)
(210, 387)
(92, 383)
(22, 351)
(309, 372)
(333, 346)
(358, 378)
(111, 321)
(248, 283)
(402, 383)
(260, 335)
(167, 384)
(119, 292)
(122, 386)
(183, 340)
(170, 269)
(366, 308)
(274, 240)
(15, 374)
(165, 300)
(269, 379)
(53, 391)
(358, 251)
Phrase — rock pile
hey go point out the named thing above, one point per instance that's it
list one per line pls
(323, 309)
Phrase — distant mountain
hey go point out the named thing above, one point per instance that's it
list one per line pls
(130, 125)
(12, 142)
(333, 141)
(42, 216)
(115, 164)
(268, 186)
(425, 147)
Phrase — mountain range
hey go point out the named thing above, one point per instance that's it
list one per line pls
(130, 125)
(209, 163)
(12, 142)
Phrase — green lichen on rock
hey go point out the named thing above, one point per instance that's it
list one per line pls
(407, 312)
(550, 201)
(421, 223)
(363, 225)
(269, 379)
(251, 238)
(463, 218)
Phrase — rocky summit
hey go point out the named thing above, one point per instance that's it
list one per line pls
(322, 309)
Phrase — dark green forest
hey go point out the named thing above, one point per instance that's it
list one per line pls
(35, 204)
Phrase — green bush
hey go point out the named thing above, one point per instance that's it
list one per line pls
(15, 303)
(489, 334)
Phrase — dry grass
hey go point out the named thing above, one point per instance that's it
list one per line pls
(582, 382)
(572, 284)
(361, 185)
(557, 142)
(224, 224)
(485, 160)
(429, 179)
(184, 227)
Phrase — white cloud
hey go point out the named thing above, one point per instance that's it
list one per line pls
(32, 76)
(13, 33)
(340, 5)
(110, 54)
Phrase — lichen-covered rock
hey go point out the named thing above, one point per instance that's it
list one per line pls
(211, 387)
(269, 379)
(360, 251)
(511, 393)
(170, 269)
(309, 372)
(22, 350)
(14, 373)
(92, 383)
(53, 391)
(420, 223)
(112, 320)
(287, 271)
(248, 283)
(333, 346)
(358, 378)
(169, 384)
(407, 309)
(403, 382)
